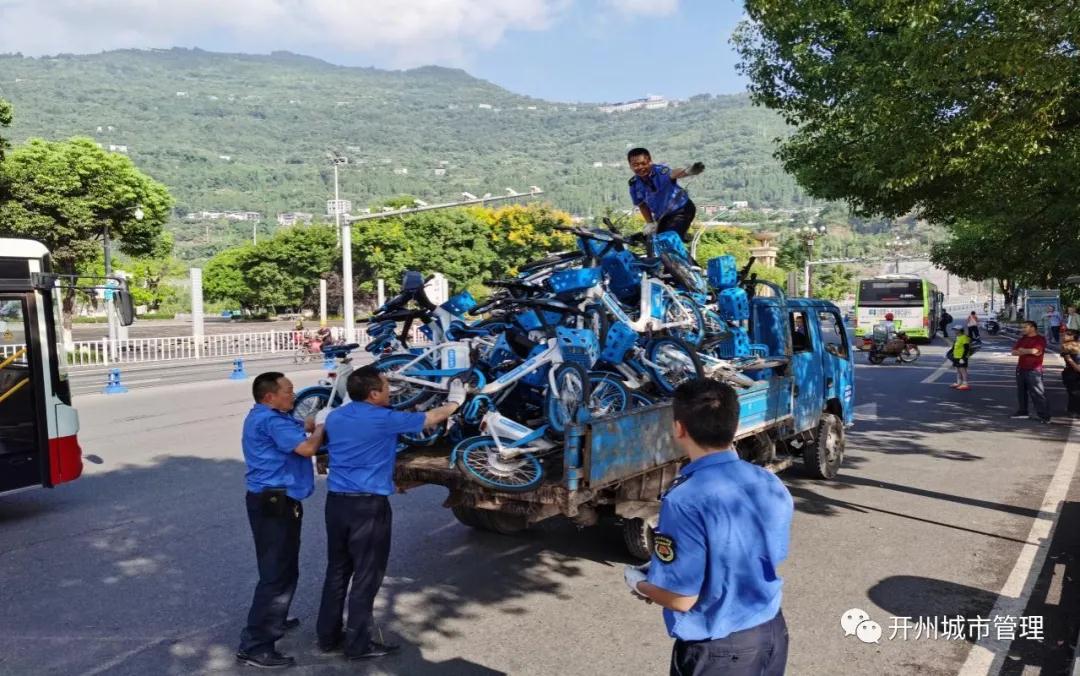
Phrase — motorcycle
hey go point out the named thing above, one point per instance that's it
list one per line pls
(895, 345)
(993, 327)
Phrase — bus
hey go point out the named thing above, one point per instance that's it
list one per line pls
(39, 443)
(914, 302)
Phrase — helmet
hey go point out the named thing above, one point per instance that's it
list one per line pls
(888, 316)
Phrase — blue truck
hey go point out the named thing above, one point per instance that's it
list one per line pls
(618, 466)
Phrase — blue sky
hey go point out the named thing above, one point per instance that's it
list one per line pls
(566, 50)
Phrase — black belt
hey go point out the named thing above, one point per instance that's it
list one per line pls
(338, 494)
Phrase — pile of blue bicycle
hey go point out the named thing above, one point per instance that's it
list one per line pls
(581, 333)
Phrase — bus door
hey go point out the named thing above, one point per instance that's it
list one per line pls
(21, 428)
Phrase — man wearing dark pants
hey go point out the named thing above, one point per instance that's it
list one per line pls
(277, 452)
(724, 528)
(1029, 372)
(655, 191)
(362, 439)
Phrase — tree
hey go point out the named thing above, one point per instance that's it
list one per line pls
(5, 120)
(149, 275)
(961, 111)
(64, 194)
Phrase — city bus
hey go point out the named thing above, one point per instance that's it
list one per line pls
(914, 302)
(39, 428)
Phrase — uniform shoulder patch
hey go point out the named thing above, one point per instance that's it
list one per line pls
(632, 180)
(661, 169)
(664, 547)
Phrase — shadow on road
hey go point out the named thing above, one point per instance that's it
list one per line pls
(152, 569)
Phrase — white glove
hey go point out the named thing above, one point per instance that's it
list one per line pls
(632, 575)
(320, 417)
(456, 394)
(650, 228)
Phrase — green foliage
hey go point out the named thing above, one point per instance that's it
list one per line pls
(5, 120)
(965, 112)
(273, 116)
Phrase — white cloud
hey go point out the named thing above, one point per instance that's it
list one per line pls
(402, 32)
(644, 7)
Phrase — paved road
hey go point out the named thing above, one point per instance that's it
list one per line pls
(145, 565)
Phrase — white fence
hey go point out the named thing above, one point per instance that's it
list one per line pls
(182, 348)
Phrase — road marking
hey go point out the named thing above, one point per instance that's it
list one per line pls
(1014, 595)
(866, 412)
(938, 372)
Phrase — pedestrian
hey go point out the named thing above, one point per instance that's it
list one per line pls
(959, 354)
(1070, 376)
(944, 323)
(1029, 372)
(654, 189)
(1072, 320)
(362, 439)
(973, 326)
(1053, 323)
(277, 452)
(724, 529)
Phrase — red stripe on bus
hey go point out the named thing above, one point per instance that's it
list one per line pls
(65, 459)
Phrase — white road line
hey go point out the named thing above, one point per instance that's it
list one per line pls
(1013, 597)
(938, 372)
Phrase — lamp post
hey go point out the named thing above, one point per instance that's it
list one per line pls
(808, 234)
(345, 240)
(109, 314)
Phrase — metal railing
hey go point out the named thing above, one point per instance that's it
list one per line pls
(182, 348)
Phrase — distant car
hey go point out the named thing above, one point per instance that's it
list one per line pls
(231, 314)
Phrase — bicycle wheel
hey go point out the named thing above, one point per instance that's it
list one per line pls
(640, 400)
(570, 394)
(479, 460)
(310, 401)
(680, 310)
(424, 437)
(300, 355)
(672, 362)
(405, 395)
(609, 395)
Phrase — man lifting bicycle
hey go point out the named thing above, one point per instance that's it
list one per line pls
(664, 203)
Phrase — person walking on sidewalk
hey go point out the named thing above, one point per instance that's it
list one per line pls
(1070, 351)
(1029, 372)
(1053, 322)
(973, 326)
(959, 354)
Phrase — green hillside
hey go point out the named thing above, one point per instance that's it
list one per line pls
(228, 131)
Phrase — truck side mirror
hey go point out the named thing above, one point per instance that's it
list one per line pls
(125, 307)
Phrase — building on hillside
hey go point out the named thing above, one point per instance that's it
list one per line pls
(484, 106)
(712, 209)
(338, 207)
(227, 158)
(597, 165)
(181, 94)
(117, 148)
(243, 215)
(401, 171)
(294, 217)
(647, 103)
(439, 171)
(740, 204)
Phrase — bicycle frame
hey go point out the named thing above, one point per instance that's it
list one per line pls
(522, 438)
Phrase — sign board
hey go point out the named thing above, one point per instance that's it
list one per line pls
(1036, 302)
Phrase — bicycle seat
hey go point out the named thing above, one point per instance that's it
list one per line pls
(515, 285)
(401, 315)
(458, 332)
(340, 350)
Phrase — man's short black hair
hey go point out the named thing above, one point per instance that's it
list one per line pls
(634, 152)
(709, 410)
(265, 383)
(1031, 324)
(362, 382)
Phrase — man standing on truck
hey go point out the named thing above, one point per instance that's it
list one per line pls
(362, 439)
(724, 528)
(277, 452)
(664, 204)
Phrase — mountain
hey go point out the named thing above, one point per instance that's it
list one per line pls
(252, 132)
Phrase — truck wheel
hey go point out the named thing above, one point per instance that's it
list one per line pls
(825, 454)
(467, 516)
(638, 536)
(501, 523)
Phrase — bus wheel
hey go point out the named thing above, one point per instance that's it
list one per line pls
(825, 454)
(638, 536)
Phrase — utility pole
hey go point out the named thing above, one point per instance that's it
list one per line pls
(345, 240)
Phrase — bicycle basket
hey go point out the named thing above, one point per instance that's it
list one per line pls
(569, 281)
(459, 304)
(530, 321)
(670, 243)
(620, 338)
(733, 305)
(578, 345)
(723, 272)
(736, 345)
(623, 275)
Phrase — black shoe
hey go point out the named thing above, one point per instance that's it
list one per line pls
(376, 649)
(328, 648)
(1045, 421)
(1019, 415)
(270, 660)
(292, 623)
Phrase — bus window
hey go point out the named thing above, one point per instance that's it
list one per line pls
(800, 335)
(832, 333)
(18, 419)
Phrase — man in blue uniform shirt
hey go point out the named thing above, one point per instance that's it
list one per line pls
(724, 528)
(277, 452)
(654, 189)
(362, 439)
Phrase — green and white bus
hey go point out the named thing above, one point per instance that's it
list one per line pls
(914, 302)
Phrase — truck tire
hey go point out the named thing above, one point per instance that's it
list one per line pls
(638, 536)
(501, 522)
(825, 454)
(467, 516)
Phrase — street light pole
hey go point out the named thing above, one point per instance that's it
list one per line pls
(345, 239)
(337, 206)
